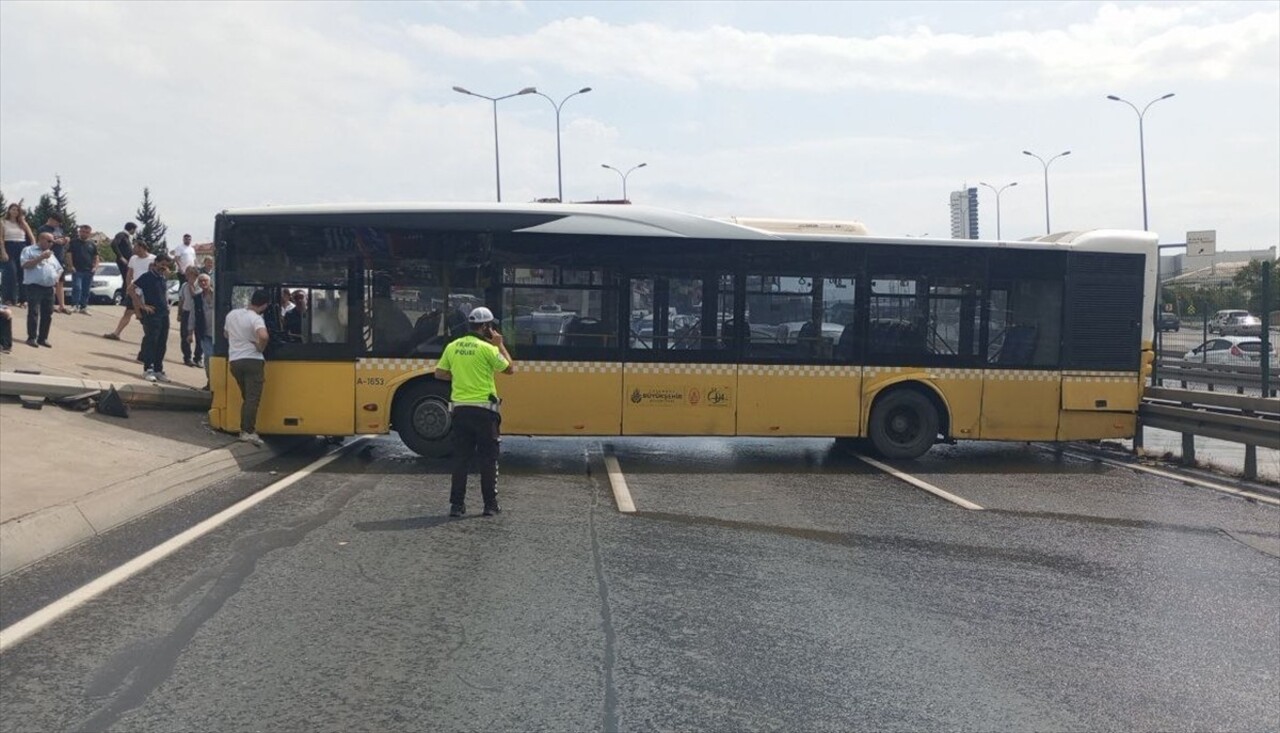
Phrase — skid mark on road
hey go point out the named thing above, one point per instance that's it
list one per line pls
(146, 665)
(953, 550)
(610, 712)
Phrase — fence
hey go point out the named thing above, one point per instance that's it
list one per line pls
(1253, 421)
(1237, 376)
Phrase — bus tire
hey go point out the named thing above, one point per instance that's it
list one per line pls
(904, 424)
(422, 419)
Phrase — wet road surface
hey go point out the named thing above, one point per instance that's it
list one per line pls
(760, 585)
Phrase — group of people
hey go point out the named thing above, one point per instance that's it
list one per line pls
(31, 269)
(146, 286)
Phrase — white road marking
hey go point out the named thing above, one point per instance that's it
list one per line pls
(957, 500)
(1177, 477)
(20, 630)
(621, 494)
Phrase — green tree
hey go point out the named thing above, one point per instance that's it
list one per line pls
(1249, 280)
(151, 229)
(40, 214)
(61, 205)
(4, 205)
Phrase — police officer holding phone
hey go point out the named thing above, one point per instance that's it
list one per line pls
(470, 363)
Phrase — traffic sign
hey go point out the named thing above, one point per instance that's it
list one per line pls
(1203, 242)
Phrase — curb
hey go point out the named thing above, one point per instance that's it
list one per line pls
(162, 396)
(33, 537)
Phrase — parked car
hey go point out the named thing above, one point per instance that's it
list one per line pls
(1243, 350)
(1170, 322)
(172, 296)
(107, 287)
(1245, 325)
(1221, 317)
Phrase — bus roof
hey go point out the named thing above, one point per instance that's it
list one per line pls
(640, 221)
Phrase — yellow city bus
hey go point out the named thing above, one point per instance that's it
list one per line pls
(627, 320)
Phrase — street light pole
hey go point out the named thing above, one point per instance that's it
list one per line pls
(998, 192)
(559, 176)
(497, 167)
(1045, 163)
(1142, 146)
(624, 175)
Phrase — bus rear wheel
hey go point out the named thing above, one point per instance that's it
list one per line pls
(422, 419)
(904, 424)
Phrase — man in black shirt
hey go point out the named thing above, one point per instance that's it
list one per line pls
(150, 301)
(123, 247)
(84, 260)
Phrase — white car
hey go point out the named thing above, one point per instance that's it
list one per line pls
(1243, 350)
(107, 287)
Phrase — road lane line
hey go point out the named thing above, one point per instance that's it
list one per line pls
(621, 494)
(1177, 477)
(957, 500)
(20, 630)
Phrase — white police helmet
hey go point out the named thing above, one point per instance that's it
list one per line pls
(480, 315)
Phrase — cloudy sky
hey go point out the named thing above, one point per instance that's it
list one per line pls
(865, 110)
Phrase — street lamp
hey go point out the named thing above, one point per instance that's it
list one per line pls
(998, 192)
(497, 168)
(1045, 163)
(559, 176)
(1142, 146)
(624, 175)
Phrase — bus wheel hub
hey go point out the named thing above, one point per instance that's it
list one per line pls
(431, 419)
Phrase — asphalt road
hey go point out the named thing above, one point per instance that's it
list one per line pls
(761, 585)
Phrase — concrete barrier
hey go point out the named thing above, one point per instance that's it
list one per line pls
(158, 396)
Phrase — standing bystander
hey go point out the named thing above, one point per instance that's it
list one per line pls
(201, 316)
(53, 225)
(83, 256)
(184, 255)
(150, 301)
(41, 271)
(6, 328)
(206, 266)
(247, 339)
(186, 302)
(17, 235)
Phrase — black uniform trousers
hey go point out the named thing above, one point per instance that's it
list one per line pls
(475, 436)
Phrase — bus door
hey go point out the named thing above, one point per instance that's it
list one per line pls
(679, 375)
(1022, 333)
(798, 376)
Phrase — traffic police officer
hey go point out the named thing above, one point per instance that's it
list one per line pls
(470, 363)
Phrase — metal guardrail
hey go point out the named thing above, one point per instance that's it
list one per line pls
(1252, 421)
(1237, 376)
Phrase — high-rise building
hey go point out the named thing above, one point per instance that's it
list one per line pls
(964, 214)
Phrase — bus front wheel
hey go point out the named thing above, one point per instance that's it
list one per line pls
(422, 419)
(904, 424)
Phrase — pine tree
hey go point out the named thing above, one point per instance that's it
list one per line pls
(4, 205)
(61, 206)
(40, 214)
(152, 230)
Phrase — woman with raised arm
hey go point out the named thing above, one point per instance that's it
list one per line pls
(17, 235)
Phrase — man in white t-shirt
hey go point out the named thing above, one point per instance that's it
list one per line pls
(139, 264)
(247, 338)
(184, 255)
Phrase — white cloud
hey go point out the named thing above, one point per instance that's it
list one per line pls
(1120, 44)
